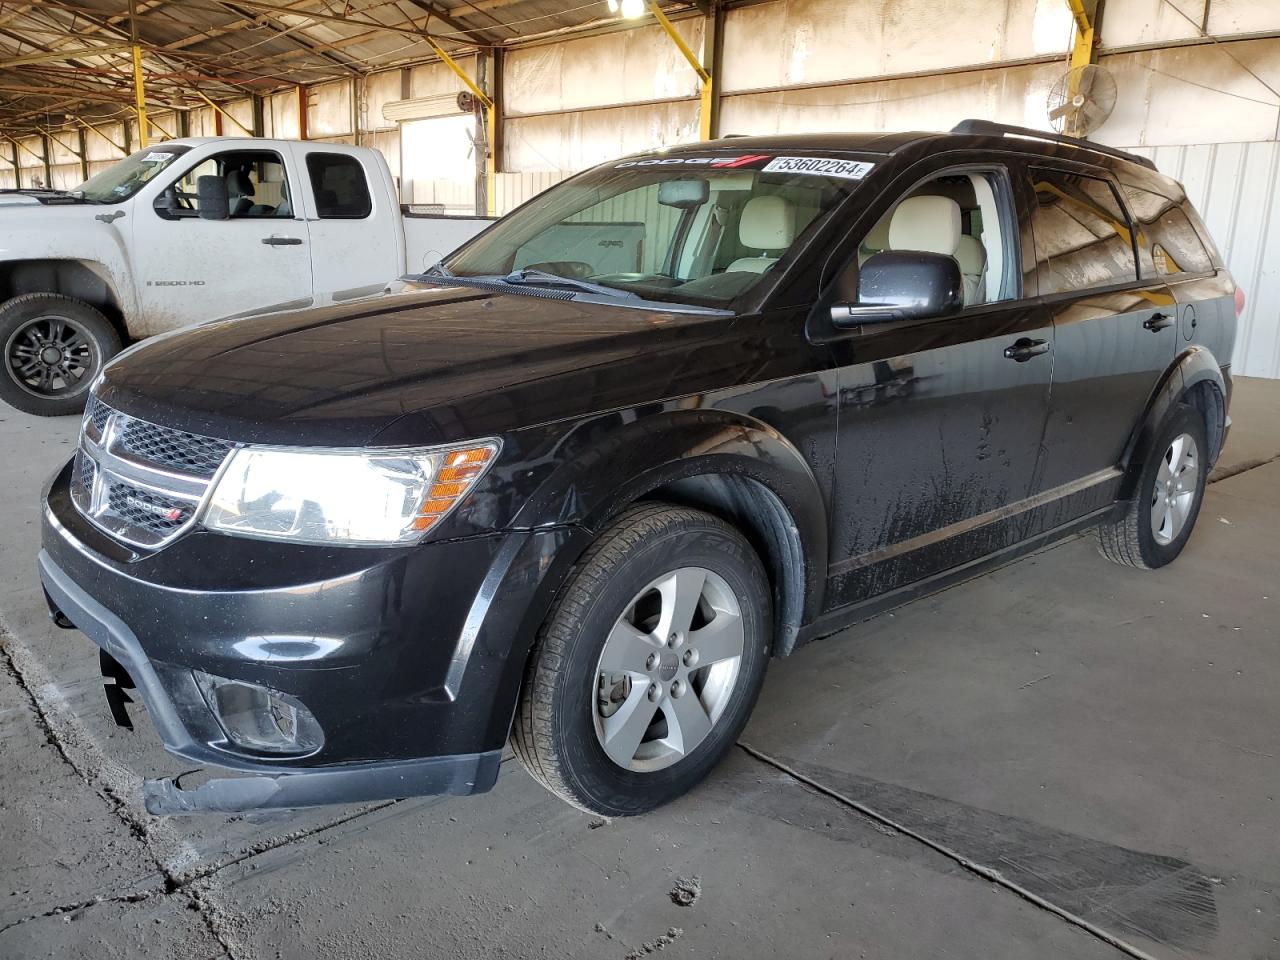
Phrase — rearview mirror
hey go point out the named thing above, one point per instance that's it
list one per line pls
(903, 285)
(211, 198)
(683, 193)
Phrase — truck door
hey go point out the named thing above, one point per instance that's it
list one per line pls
(940, 419)
(357, 236)
(1115, 334)
(189, 269)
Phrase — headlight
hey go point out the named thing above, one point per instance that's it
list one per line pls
(341, 496)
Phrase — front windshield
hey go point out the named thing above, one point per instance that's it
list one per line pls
(122, 180)
(699, 230)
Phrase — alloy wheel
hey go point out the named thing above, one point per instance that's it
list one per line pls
(50, 356)
(668, 669)
(1176, 486)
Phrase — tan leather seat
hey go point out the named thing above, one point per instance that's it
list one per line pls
(767, 223)
(972, 257)
(927, 224)
(931, 224)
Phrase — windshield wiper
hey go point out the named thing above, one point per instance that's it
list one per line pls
(544, 278)
(438, 269)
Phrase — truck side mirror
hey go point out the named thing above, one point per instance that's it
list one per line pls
(211, 198)
(903, 285)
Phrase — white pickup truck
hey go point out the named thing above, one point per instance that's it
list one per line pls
(188, 231)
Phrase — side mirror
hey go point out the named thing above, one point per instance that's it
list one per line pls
(903, 285)
(211, 198)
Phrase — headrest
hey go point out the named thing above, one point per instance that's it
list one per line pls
(239, 184)
(768, 223)
(927, 224)
(971, 255)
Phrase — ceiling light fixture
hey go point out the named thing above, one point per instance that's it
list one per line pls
(628, 9)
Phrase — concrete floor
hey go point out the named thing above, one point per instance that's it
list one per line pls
(1062, 758)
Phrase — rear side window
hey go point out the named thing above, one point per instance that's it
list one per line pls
(1167, 242)
(1082, 237)
(339, 185)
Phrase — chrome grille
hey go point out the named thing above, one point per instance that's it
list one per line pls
(97, 414)
(141, 482)
(187, 452)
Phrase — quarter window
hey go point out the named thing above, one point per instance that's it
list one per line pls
(340, 187)
(1082, 235)
(1167, 242)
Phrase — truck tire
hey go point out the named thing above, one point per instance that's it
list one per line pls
(648, 665)
(53, 348)
(1159, 519)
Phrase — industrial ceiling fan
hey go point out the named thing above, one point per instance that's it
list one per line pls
(1081, 100)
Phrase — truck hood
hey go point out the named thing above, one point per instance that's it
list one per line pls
(426, 365)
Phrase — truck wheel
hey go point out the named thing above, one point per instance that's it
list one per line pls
(1163, 511)
(54, 346)
(649, 663)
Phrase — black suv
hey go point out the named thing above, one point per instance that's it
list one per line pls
(573, 486)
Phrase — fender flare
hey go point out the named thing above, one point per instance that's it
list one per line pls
(1194, 366)
(611, 461)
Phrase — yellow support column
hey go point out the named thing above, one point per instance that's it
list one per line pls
(1081, 52)
(708, 87)
(139, 89)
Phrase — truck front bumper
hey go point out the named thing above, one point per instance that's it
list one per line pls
(408, 659)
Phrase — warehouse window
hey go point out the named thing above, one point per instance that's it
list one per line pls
(1167, 242)
(340, 188)
(1082, 235)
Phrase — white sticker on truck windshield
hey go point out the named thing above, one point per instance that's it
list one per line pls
(820, 167)
(157, 158)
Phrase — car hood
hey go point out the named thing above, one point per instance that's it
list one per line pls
(425, 365)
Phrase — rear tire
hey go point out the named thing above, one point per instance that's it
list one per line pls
(53, 347)
(1160, 518)
(601, 676)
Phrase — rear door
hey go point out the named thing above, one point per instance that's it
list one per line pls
(1115, 333)
(357, 238)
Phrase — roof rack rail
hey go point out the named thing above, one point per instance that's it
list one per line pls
(1001, 129)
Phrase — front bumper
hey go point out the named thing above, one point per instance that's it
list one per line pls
(410, 659)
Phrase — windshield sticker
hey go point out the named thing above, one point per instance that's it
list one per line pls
(157, 158)
(820, 167)
(716, 162)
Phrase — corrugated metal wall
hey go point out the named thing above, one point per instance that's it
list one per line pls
(1233, 185)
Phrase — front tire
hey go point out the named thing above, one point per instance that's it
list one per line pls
(52, 347)
(1163, 512)
(649, 663)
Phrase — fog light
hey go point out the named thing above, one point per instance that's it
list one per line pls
(258, 718)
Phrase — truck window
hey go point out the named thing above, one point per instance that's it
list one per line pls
(256, 186)
(340, 187)
(1082, 235)
(1167, 242)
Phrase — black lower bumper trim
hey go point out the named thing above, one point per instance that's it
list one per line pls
(459, 775)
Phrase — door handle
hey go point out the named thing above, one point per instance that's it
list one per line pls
(278, 241)
(1026, 348)
(1158, 321)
